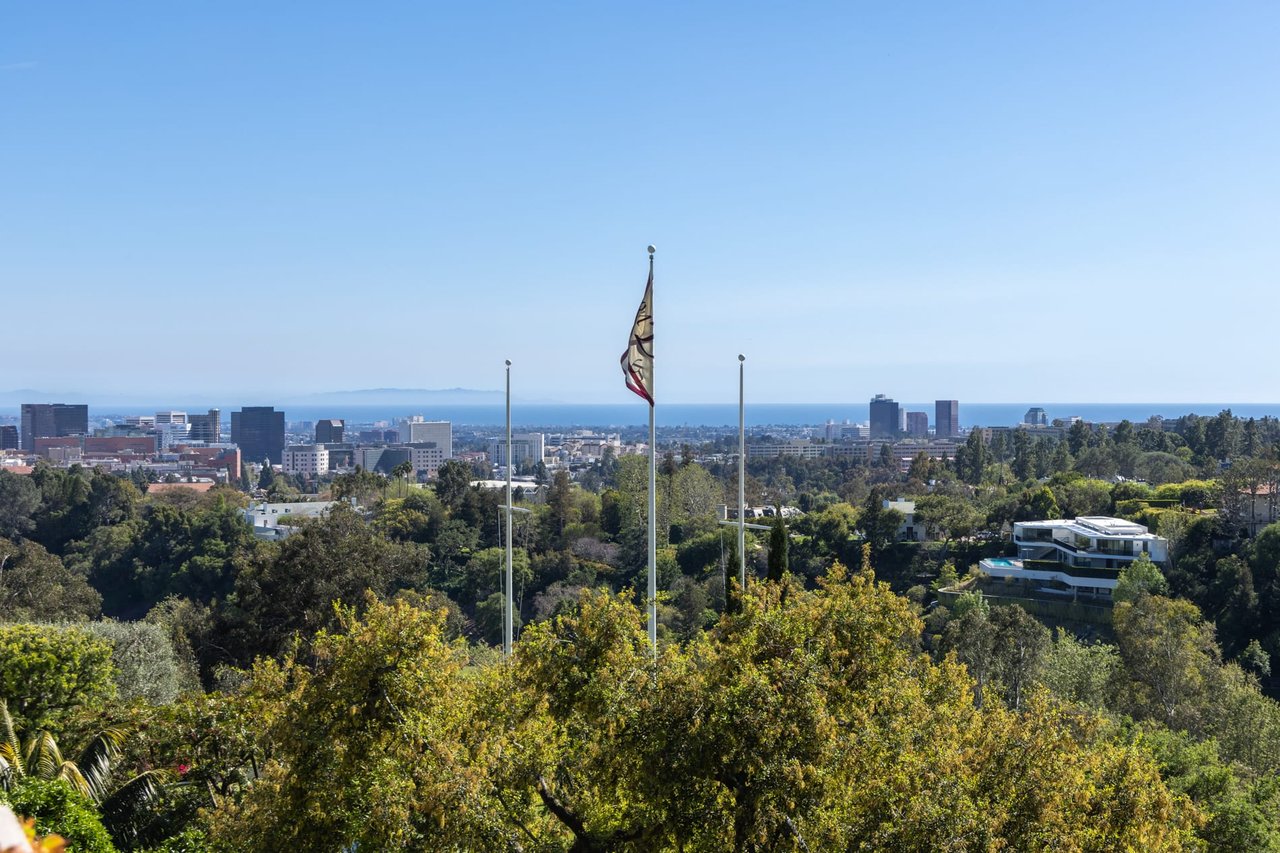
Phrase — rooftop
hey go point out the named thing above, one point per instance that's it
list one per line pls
(1094, 525)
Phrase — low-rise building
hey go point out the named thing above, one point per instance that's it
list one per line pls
(910, 530)
(801, 448)
(274, 521)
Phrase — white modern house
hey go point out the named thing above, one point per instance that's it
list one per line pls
(911, 530)
(1074, 557)
(267, 518)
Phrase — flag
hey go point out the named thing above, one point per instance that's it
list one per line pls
(637, 361)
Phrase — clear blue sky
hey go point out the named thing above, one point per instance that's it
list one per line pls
(988, 201)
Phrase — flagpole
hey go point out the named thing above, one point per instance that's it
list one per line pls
(742, 481)
(653, 497)
(507, 605)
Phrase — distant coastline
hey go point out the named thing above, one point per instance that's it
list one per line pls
(712, 415)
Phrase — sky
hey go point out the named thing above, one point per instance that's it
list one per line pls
(981, 201)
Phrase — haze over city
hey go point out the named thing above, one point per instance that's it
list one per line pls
(984, 202)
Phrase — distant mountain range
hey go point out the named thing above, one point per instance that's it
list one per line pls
(363, 397)
(392, 396)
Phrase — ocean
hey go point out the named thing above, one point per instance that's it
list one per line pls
(567, 416)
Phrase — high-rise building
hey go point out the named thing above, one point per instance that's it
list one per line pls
(946, 418)
(259, 433)
(308, 460)
(207, 428)
(415, 430)
(1035, 416)
(918, 424)
(171, 417)
(885, 417)
(8, 437)
(52, 420)
(329, 431)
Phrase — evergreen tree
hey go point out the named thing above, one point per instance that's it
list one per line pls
(778, 541)
(732, 591)
(267, 478)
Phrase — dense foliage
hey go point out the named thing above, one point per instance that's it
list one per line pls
(339, 689)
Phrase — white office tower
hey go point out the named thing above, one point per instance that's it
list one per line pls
(415, 430)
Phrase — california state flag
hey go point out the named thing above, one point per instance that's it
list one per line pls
(637, 361)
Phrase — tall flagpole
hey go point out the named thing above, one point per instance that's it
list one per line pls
(653, 497)
(507, 608)
(742, 481)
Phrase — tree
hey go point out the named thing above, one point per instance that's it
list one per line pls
(360, 484)
(806, 720)
(291, 589)
(47, 671)
(1078, 436)
(368, 744)
(733, 594)
(950, 517)
(972, 458)
(143, 659)
(1038, 505)
(19, 500)
(77, 500)
(1082, 496)
(1096, 462)
(1140, 577)
(37, 757)
(694, 496)
(1170, 655)
(56, 808)
(1082, 672)
(1255, 659)
(36, 586)
(560, 506)
(879, 524)
(1158, 468)
(1020, 645)
(1023, 458)
(453, 481)
(779, 541)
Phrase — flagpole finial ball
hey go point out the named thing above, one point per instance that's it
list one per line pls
(508, 362)
(741, 357)
(652, 248)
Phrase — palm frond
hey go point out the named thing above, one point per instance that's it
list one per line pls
(69, 773)
(11, 747)
(43, 756)
(96, 758)
(120, 808)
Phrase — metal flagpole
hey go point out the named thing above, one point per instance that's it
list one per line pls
(653, 496)
(742, 481)
(507, 614)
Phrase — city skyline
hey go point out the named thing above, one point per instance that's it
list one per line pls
(984, 200)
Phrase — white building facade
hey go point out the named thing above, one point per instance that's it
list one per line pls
(415, 430)
(525, 447)
(1081, 556)
(306, 460)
